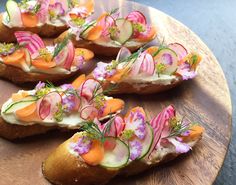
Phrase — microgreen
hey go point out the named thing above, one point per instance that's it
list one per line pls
(60, 46)
(58, 116)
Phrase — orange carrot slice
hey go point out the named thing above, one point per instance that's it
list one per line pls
(15, 58)
(41, 63)
(28, 113)
(18, 96)
(95, 154)
(29, 19)
(112, 106)
(94, 33)
(118, 75)
(195, 132)
(87, 54)
(78, 81)
(152, 50)
(148, 37)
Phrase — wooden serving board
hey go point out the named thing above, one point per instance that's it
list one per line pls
(205, 100)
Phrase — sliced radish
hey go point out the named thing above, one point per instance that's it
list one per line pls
(169, 59)
(123, 54)
(137, 17)
(179, 49)
(89, 87)
(148, 65)
(106, 22)
(88, 112)
(49, 105)
(42, 14)
(14, 14)
(62, 56)
(137, 65)
(70, 57)
(117, 157)
(30, 41)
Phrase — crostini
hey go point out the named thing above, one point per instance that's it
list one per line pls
(30, 60)
(148, 71)
(123, 146)
(48, 107)
(48, 18)
(106, 35)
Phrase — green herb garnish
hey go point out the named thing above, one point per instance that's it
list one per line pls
(60, 46)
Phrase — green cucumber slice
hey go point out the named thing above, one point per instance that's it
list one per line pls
(125, 29)
(169, 59)
(13, 12)
(20, 104)
(147, 142)
(117, 157)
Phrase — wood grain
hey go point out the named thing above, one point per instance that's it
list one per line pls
(205, 100)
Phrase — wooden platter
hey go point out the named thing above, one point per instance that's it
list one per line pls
(205, 99)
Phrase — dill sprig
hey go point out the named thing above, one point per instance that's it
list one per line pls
(113, 11)
(61, 45)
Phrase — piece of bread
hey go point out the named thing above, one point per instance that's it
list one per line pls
(65, 167)
(19, 76)
(61, 167)
(48, 31)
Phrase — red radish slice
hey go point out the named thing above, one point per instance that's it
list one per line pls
(106, 22)
(120, 125)
(88, 112)
(62, 56)
(49, 105)
(42, 14)
(179, 49)
(124, 53)
(109, 144)
(70, 57)
(137, 65)
(137, 17)
(148, 64)
(30, 41)
(89, 87)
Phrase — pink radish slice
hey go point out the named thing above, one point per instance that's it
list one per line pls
(148, 64)
(42, 14)
(88, 112)
(124, 53)
(62, 56)
(70, 57)
(179, 49)
(30, 41)
(106, 23)
(137, 17)
(88, 88)
(120, 125)
(137, 65)
(109, 144)
(49, 105)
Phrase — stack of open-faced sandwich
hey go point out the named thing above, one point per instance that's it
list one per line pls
(107, 141)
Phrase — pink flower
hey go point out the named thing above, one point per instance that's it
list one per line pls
(103, 70)
(82, 146)
(56, 10)
(186, 72)
(79, 61)
(40, 85)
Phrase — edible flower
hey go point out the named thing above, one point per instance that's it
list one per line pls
(104, 70)
(135, 149)
(6, 49)
(56, 10)
(79, 61)
(82, 146)
(40, 85)
(186, 72)
(69, 103)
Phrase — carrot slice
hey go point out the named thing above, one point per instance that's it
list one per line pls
(148, 37)
(94, 33)
(29, 19)
(118, 75)
(15, 58)
(95, 154)
(18, 96)
(112, 106)
(78, 81)
(195, 132)
(41, 63)
(28, 113)
(87, 54)
(152, 50)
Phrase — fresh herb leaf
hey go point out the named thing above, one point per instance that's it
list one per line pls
(60, 46)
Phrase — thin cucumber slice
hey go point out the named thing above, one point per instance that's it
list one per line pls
(14, 13)
(169, 59)
(147, 142)
(117, 157)
(125, 29)
(20, 104)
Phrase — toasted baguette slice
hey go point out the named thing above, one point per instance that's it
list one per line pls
(18, 76)
(47, 107)
(65, 166)
(48, 31)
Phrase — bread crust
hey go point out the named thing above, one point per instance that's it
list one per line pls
(11, 131)
(98, 49)
(49, 31)
(19, 76)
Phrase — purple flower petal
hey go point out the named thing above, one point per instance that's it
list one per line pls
(40, 85)
(135, 149)
(66, 87)
(82, 146)
(179, 146)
